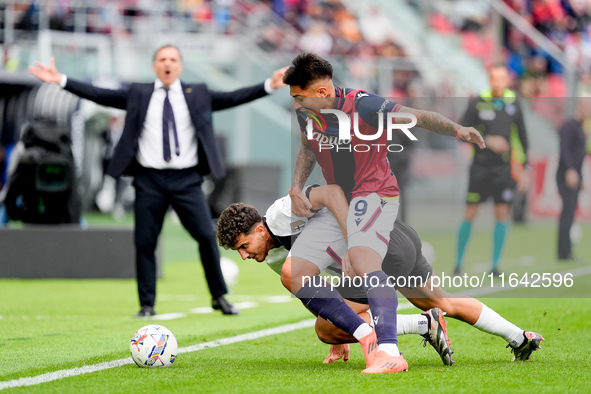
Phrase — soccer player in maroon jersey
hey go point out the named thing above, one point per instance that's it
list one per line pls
(357, 161)
(242, 228)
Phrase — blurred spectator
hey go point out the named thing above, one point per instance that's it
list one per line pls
(404, 83)
(10, 58)
(316, 40)
(578, 50)
(563, 22)
(270, 39)
(471, 15)
(584, 87)
(376, 27)
(345, 29)
(548, 15)
(390, 49)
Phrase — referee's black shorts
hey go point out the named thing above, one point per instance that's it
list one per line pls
(494, 181)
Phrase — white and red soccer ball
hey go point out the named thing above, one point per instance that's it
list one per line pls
(153, 346)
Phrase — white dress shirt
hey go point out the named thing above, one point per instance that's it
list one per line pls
(150, 149)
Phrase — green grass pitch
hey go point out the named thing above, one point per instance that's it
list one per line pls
(53, 325)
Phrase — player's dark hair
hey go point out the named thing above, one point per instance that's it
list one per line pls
(238, 218)
(167, 46)
(305, 69)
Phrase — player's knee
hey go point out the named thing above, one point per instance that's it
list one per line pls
(335, 191)
(364, 259)
(444, 305)
(291, 282)
(471, 212)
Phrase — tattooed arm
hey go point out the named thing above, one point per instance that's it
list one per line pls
(439, 124)
(300, 205)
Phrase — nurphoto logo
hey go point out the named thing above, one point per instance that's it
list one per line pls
(343, 141)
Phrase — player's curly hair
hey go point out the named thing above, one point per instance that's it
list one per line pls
(305, 69)
(238, 218)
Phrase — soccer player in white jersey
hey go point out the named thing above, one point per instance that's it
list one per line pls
(242, 228)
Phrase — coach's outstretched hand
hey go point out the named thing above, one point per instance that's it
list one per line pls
(46, 73)
(336, 353)
(277, 78)
(470, 134)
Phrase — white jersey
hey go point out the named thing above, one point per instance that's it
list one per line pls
(285, 226)
(324, 231)
(281, 221)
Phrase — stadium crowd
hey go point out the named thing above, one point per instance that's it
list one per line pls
(565, 23)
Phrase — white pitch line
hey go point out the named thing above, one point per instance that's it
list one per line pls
(280, 299)
(246, 305)
(169, 316)
(203, 309)
(66, 373)
(176, 297)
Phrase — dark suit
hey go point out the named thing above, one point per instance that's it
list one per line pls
(572, 154)
(156, 190)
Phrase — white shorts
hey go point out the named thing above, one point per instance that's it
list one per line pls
(370, 222)
(322, 242)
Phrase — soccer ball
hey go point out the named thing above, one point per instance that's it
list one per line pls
(153, 346)
(230, 271)
(428, 252)
(576, 233)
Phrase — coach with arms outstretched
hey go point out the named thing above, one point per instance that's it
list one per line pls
(168, 145)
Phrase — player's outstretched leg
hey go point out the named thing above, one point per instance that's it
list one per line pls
(532, 341)
(478, 315)
(437, 335)
(383, 303)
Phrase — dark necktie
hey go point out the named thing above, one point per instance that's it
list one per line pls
(168, 123)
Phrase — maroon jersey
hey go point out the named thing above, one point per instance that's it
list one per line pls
(359, 167)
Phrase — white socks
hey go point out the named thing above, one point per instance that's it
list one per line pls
(491, 322)
(390, 348)
(411, 324)
(408, 324)
(405, 324)
(362, 330)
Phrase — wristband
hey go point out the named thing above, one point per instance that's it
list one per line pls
(308, 190)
